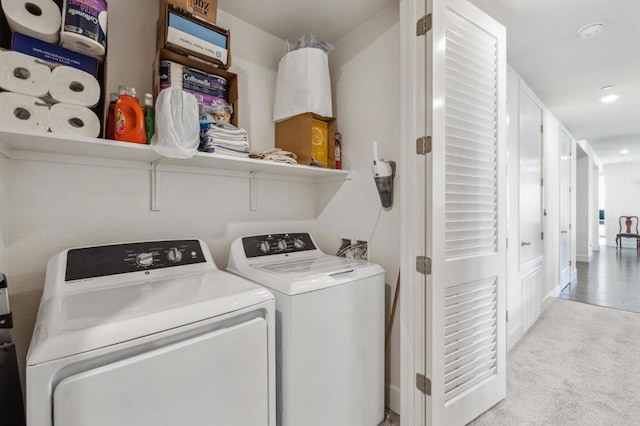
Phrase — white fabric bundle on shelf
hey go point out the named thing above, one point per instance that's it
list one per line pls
(223, 138)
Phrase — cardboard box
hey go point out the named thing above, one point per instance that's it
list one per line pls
(206, 10)
(304, 136)
(232, 79)
(54, 53)
(182, 33)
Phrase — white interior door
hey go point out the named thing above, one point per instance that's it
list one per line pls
(565, 208)
(466, 212)
(530, 143)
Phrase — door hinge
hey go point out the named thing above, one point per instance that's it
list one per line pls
(506, 316)
(507, 243)
(571, 263)
(423, 265)
(542, 235)
(423, 145)
(542, 182)
(569, 227)
(542, 128)
(423, 384)
(424, 25)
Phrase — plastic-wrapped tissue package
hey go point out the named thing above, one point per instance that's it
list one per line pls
(177, 124)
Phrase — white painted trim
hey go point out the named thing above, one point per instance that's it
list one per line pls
(515, 336)
(584, 258)
(412, 212)
(394, 398)
(549, 298)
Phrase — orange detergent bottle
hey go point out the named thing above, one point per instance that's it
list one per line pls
(129, 117)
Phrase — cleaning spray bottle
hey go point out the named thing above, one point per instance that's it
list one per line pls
(149, 116)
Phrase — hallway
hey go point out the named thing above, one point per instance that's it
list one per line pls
(612, 280)
(576, 366)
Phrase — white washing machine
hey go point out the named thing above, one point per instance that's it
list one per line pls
(329, 329)
(150, 334)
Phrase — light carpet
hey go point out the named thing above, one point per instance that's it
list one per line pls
(578, 365)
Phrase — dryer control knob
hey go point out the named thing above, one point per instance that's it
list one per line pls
(298, 244)
(174, 255)
(144, 259)
(264, 247)
(282, 245)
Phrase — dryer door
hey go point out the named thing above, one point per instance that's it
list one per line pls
(215, 378)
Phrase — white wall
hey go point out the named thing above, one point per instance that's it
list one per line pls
(583, 212)
(622, 187)
(367, 104)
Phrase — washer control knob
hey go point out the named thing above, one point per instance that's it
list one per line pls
(264, 247)
(174, 255)
(144, 259)
(298, 244)
(282, 245)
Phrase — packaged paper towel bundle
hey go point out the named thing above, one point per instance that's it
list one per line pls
(81, 26)
(23, 74)
(28, 113)
(33, 86)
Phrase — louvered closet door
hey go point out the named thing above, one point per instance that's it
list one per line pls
(466, 338)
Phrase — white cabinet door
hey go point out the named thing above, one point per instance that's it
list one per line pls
(465, 213)
(216, 378)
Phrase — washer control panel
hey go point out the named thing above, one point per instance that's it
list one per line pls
(93, 262)
(266, 245)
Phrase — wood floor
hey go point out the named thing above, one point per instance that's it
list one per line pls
(611, 279)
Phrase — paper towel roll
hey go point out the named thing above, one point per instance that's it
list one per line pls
(23, 74)
(73, 86)
(84, 27)
(22, 112)
(68, 119)
(36, 18)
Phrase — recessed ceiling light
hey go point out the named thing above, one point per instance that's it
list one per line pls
(624, 152)
(607, 88)
(591, 30)
(609, 98)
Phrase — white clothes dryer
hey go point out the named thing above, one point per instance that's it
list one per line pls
(329, 329)
(150, 334)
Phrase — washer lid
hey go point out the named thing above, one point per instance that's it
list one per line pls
(310, 267)
(93, 318)
(306, 274)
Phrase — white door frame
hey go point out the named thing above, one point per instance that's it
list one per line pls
(413, 196)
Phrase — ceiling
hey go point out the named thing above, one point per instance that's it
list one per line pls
(291, 19)
(567, 71)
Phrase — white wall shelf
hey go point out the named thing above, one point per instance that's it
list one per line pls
(22, 145)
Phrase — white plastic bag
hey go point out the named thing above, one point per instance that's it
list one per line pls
(177, 124)
(304, 84)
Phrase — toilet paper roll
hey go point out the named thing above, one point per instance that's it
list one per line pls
(22, 112)
(84, 27)
(65, 119)
(73, 86)
(23, 74)
(36, 18)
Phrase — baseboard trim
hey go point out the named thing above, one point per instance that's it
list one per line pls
(514, 337)
(584, 258)
(549, 298)
(393, 402)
